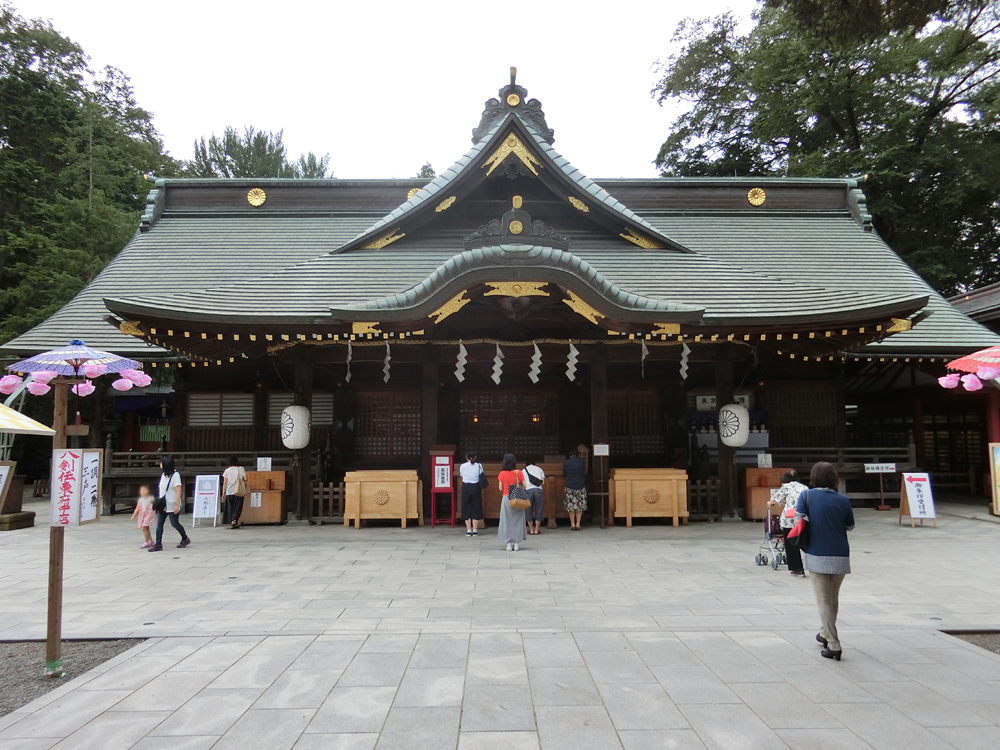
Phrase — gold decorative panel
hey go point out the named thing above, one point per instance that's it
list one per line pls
(663, 329)
(387, 239)
(363, 328)
(445, 204)
(756, 197)
(517, 201)
(512, 145)
(453, 305)
(899, 325)
(582, 308)
(130, 328)
(579, 205)
(638, 239)
(516, 227)
(516, 289)
(256, 197)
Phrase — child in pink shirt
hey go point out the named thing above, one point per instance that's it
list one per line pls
(144, 510)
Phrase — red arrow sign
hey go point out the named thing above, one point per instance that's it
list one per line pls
(912, 479)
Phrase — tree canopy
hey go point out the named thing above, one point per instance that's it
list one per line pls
(253, 153)
(73, 147)
(427, 172)
(905, 93)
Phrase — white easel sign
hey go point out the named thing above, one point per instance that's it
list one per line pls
(206, 497)
(916, 499)
(66, 486)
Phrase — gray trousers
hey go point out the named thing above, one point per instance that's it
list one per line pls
(827, 589)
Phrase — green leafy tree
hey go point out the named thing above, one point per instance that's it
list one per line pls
(426, 172)
(253, 153)
(73, 146)
(905, 93)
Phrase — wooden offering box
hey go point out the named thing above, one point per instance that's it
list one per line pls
(266, 501)
(383, 494)
(758, 485)
(645, 493)
(553, 487)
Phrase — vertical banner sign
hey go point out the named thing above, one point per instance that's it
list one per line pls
(442, 472)
(206, 497)
(90, 489)
(66, 486)
(916, 499)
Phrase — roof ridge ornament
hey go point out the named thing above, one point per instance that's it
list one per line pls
(516, 227)
(514, 98)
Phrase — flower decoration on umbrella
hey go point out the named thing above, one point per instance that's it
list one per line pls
(979, 366)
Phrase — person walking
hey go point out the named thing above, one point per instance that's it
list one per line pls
(511, 529)
(472, 493)
(785, 501)
(575, 494)
(827, 556)
(145, 513)
(234, 480)
(534, 480)
(172, 490)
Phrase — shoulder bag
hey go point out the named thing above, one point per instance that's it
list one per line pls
(535, 482)
(798, 535)
(240, 487)
(484, 482)
(160, 503)
(517, 494)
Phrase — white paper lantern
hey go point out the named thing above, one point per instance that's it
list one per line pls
(734, 425)
(295, 427)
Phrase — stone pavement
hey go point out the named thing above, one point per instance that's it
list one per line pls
(652, 637)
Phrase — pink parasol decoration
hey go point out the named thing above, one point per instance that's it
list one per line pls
(988, 373)
(93, 371)
(9, 384)
(972, 383)
(122, 384)
(977, 360)
(38, 389)
(84, 389)
(44, 376)
(949, 381)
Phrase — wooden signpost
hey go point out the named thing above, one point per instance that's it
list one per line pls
(880, 469)
(916, 499)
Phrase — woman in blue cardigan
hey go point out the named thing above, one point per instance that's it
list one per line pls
(828, 555)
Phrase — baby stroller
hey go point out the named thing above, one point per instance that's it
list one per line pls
(773, 543)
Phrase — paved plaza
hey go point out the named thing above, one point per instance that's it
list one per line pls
(633, 639)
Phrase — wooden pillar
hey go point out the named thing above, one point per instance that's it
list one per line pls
(57, 535)
(260, 413)
(918, 432)
(303, 457)
(727, 455)
(598, 424)
(180, 420)
(428, 420)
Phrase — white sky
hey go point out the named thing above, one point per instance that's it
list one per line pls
(386, 86)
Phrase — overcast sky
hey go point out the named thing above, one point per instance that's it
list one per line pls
(386, 86)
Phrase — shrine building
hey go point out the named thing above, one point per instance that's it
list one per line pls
(513, 305)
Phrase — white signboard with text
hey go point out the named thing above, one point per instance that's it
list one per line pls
(442, 472)
(918, 496)
(263, 463)
(90, 488)
(66, 486)
(707, 403)
(880, 468)
(206, 497)
(602, 449)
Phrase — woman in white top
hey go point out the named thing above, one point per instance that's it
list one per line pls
(172, 490)
(534, 480)
(232, 507)
(472, 493)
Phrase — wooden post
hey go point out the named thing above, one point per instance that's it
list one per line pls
(428, 421)
(598, 418)
(303, 456)
(53, 633)
(727, 455)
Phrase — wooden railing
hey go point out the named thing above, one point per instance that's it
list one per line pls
(849, 462)
(703, 499)
(326, 503)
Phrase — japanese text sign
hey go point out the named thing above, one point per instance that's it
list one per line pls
(206, 496)
(880, 468)
(918, 494)
(66, 486)
(442, 472)
(90, 485)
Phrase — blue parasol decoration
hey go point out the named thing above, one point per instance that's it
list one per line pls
(68, 360)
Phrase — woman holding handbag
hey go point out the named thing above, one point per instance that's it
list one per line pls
(511, 528)
(473, 481)
(168, 503)
(234, 489)
(826, 554)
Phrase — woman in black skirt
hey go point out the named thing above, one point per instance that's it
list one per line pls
(472, 493)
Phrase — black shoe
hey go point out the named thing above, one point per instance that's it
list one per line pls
(828, 654)
(822, 640)
(184, 543)
(156, 548)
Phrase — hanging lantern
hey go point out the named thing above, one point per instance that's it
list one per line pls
(295, 427)
(9, 384)
(734, 425)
